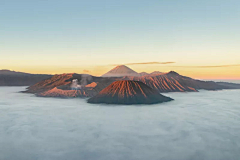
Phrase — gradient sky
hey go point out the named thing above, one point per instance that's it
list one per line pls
(56, 36)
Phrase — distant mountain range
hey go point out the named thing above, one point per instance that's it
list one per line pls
(60, 85)
(13, 78)
(9, 72)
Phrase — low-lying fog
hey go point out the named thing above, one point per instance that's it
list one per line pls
(196, 126)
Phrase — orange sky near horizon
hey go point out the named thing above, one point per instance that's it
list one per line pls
(231, 72)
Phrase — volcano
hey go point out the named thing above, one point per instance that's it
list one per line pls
(162, 82)
(120, 71)
(129, 92)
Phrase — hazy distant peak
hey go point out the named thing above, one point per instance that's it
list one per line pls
(143, 74)
(156, 72)
(122, 68)
(120, 71)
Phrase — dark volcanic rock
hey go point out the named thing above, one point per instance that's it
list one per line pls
(129, 92)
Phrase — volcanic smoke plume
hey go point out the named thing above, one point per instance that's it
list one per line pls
(75, 85)
(85, 79)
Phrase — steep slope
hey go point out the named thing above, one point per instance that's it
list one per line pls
(129, 92)
(120, 71)
(50, 83)
(168, 82)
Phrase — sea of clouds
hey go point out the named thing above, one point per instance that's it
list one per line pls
(195, 126)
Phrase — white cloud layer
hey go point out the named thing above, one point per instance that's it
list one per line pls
(195, 126)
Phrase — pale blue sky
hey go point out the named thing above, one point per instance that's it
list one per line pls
(76, 33)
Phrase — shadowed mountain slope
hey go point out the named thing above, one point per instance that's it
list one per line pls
(129, 92)
(9, 72)
(230, 85)
(12, 78)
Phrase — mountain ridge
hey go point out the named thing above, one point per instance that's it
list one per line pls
(163, 83)
(15, 78)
